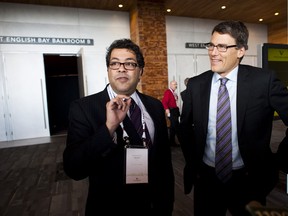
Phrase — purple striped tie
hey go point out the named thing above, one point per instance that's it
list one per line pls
(135, 116)
(223, 160)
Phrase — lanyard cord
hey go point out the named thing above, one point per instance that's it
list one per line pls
(125, 135)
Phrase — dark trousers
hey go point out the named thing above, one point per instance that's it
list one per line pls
(174, 124)
(212, 197)
(124, 200)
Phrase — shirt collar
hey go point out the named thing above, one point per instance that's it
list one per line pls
(113, 94)
(232, 76)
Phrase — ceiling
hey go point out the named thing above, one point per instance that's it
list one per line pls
(245, 10)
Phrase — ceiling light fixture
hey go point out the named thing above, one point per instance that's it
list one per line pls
(276, 14)
(120, 5)
(168, 10)
(223, 7)
(260, 20)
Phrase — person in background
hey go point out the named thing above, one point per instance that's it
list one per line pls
(184, 92)
(249, 170)
(102, 143)
(169, 102)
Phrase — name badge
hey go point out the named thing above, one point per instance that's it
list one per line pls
(136, 165)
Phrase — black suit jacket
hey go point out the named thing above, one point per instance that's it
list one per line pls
(91, 152)
(183, 94)
(259, 94)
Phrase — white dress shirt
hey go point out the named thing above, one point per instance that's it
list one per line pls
(209, 155)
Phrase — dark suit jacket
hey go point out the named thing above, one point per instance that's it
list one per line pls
(259, 94)
(183, 94)
(91, 152)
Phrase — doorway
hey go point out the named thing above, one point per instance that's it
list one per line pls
(62, 86)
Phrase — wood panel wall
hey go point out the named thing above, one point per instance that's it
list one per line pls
(278, 33)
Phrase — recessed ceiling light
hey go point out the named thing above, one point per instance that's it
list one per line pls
(223, 7)
(260, 20)
(168, 10)
(276, 14)
(120, 5)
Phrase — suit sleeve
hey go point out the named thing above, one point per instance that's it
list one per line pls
(186, 131)
(279, 98)
(282, 154)
(88, 140)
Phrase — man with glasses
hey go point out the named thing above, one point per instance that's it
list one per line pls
(129, 168)
(226, 125)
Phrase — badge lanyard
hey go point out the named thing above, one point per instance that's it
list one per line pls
(125, 135)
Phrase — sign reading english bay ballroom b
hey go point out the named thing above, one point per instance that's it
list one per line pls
(46, 40)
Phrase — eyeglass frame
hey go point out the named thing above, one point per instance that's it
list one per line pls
(135, 65)
(224, 46)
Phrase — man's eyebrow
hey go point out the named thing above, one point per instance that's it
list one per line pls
(127, 59)
(130, 59)
(114, 58)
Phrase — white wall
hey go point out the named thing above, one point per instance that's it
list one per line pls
(22, 75)
(186, 62)
(43, 21)
(23, 105)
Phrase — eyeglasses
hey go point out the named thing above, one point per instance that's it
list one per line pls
(220, 47)
(127, 65)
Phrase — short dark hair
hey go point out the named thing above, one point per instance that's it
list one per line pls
(126, 44)
(236, 29)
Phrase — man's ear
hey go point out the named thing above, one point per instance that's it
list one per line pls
(241, 52)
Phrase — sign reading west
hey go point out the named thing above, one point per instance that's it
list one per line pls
(46, 40)
(195, 45)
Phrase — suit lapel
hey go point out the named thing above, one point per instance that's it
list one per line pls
(243, 91)
(154, 113)
(205, 89)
